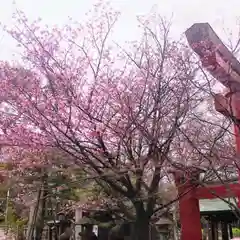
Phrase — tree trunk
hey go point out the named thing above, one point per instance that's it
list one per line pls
(141, 228)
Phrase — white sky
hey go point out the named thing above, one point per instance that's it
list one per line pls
(218, 13)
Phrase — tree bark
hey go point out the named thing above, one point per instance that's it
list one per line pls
(141, 228)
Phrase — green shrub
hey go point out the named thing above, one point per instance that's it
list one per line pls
(14, 223)
(236, 232)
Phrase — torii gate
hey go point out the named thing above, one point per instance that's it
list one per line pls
(223, 66)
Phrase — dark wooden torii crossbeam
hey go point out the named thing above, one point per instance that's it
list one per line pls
(220, 63)
(215, 56)
(223, 66)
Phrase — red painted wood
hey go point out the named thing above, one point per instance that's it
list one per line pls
(236, 112)
(224, 191)
(190, 218)
(189, 211)
(215, 63)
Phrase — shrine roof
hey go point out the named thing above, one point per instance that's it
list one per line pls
(215, 205)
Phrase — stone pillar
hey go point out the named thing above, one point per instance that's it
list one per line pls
(78, 227)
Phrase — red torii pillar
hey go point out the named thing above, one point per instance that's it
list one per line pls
(188, 206)
(229, 105)
(223, 66)
(236, 113)
(189, 195)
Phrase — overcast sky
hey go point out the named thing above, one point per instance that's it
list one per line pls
(219, 13)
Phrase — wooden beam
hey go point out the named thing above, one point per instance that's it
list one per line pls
(222, 105)
(211, 192)
(215, 56)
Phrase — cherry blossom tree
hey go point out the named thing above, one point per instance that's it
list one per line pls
(124, 116)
